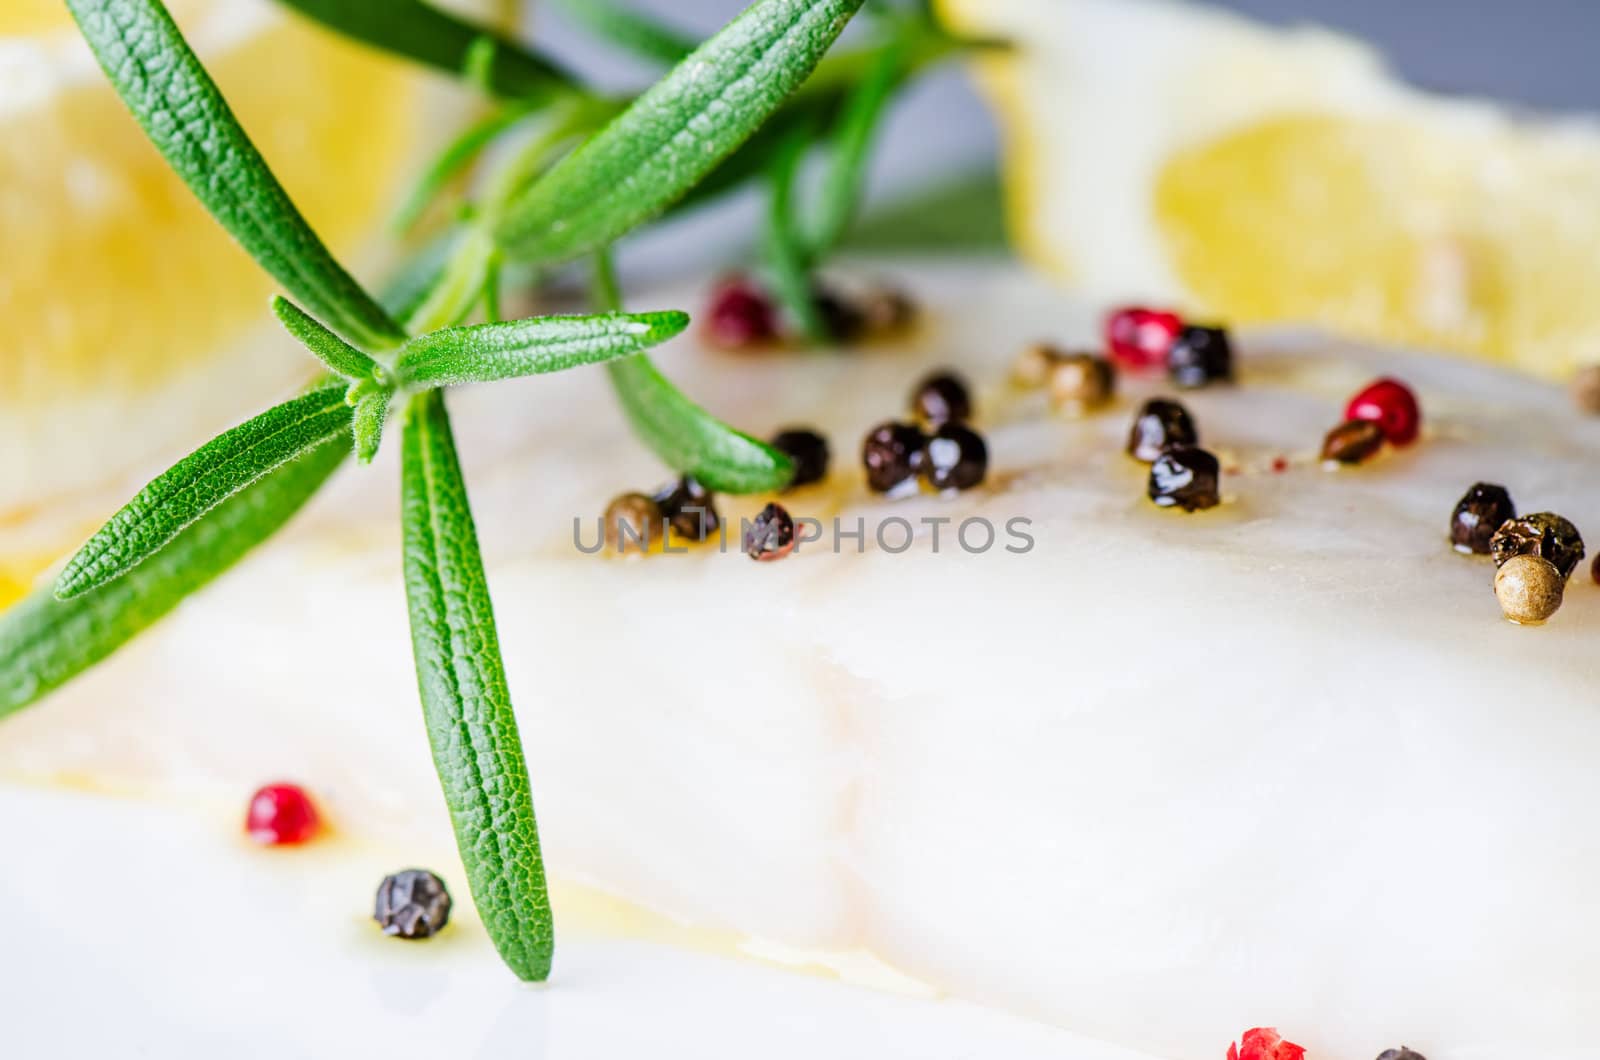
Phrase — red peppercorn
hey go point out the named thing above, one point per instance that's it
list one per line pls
(740, 316)
(1264, 1043)
(281, 815)
(1140, 338)
(1392, 406)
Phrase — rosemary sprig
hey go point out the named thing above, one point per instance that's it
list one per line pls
(675, 133)
(436, 38)
(465, 703)
(206, 512)
(172, 96)
(202, 480)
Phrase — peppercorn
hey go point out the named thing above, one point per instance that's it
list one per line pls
(1033, 364)
(941, 398)
(771, 535)
(1543, 534)
(1391, 405)
(1586, 389)
(1200, 356)
(1141, 338)
(957, 458)
(1080, 382)
(1594, 571)
(1480, 512)
(892, 454)
(689, 508)
(412, 904)
(281, 815)
(842, 318)
(633, 522)
(1401, 1053)
(740, 316)
(1529, 589)
(888, 311)
(1352, 442)
(1159, 424)
(1187, 477)
(808, 450)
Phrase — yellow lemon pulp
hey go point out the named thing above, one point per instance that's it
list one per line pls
(113, 274)
(132, 327)
(1171, 152)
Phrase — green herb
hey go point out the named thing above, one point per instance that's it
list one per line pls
(202, 480)
(340, 358)
(45, 642)
(465, 702)
(852, 142)
(456, 157)
(173, 97)
(644, 37)
(366, 425)
(482, 353)
(543, 206)
(791, 276)
(425, 34)
(676, 132)
(680, 432)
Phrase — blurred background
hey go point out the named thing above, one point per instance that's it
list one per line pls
(1538, 53)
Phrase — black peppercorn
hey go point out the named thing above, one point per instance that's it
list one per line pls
(893, 454)
(771, 535)
(941, 398)
(1352, 442)
(1478, 514)
(1542, 534)
(1401, 1053)
(412, 904)
(1201, 356)
(1159, 424)
(957, 458)
(690, 509)
(842, 318)
(1186, 477)
(808, 450)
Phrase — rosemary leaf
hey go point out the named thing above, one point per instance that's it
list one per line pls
(852, 143)
(366, 425)
(637, 33)
(685, 436)
(674, 134)
(425, 34)
(45, 642)
(465, 702)
(202, 480)
(689, 439)
(457, 156)
(339, 356)
(481, 353)
(791, 272)
(169, 92)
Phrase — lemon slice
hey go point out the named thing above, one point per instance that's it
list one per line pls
(132, 324)
(1173, 152)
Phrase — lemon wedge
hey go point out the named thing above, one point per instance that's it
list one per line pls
(1173, 152)
(131, 326)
